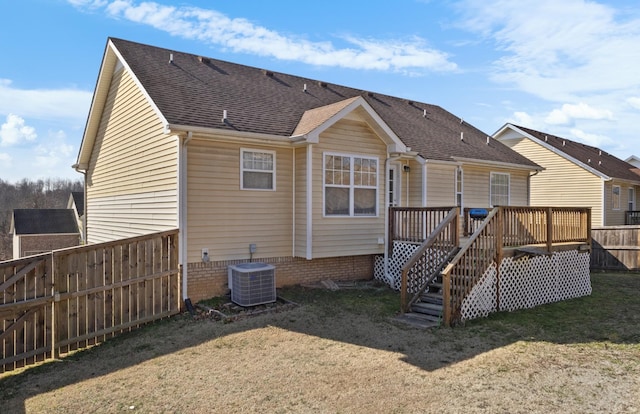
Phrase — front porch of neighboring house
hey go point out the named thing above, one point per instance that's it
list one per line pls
(506, 259)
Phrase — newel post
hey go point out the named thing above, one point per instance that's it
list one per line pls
(549, 229)
(499, 240)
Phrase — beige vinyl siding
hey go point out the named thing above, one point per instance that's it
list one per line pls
(346, 236)
(477, 183)
(441, 185)
(562, 183)
(116, 217)
(133, 170)
(301, 202)
(225, 219)
(412, 183)
(617, 217)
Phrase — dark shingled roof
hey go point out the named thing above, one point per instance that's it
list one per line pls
(595, 158)
(78, 200)
(194, 91)
(44, 221)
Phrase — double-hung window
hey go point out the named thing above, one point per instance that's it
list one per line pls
(350, 185)
(499, 189)
(257, 170)
(632, 199)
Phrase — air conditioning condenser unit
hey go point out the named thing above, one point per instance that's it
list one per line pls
(252, 283)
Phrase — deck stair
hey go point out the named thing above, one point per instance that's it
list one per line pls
(426, 310)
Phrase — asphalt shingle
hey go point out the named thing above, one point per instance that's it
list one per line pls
(194, 91)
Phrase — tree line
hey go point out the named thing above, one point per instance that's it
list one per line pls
(46, 193)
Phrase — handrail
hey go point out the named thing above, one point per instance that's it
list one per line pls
(445, 236)
(508, 227)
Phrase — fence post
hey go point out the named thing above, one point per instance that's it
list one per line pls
(446, 297)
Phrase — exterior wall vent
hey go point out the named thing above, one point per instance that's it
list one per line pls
(252, 283)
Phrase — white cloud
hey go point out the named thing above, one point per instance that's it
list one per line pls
(594, 140)
(56, 153)
(14, 131)
(568, 113)
(52, 104)
(6, 160)
(522, 118)
(634, 102)
(558, 49)
(242, 36)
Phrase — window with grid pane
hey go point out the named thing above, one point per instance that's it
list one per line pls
(350, 185)
(257, 170)
(499, 189)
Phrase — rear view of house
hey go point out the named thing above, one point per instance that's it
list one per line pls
(252, 165)
(576, 175)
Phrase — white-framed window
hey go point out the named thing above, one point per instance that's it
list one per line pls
(615, 197)
(458, 185)
(632, 199)
(499, 189)
(350, 185)
(257, 169)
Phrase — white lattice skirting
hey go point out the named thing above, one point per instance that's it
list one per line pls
(528, 282)
(402, 252)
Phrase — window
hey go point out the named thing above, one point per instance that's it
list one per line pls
(257, 170)
(616, 197)
(499, 189)
(350, 185)
(632, 199)
(459, 187)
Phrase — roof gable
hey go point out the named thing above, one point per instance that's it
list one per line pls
(195, 92)
(590, 158)
(44, 221)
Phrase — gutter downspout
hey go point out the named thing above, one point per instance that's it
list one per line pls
(182, 209)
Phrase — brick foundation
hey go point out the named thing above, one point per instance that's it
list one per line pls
(206, 280)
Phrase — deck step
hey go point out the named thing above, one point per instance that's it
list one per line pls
(431, 297)
(427, 308)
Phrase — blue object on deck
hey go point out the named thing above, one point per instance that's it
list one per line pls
(478, 213)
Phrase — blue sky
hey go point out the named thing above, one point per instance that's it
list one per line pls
(569, 68)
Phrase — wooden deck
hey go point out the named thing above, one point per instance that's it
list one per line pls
(456, 264)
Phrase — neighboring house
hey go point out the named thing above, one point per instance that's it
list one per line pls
(576, 175)
(251, 164)
(633, 160)
(42, 230)
(76, 203)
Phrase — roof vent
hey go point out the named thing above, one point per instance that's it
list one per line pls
(600, 152)
(461, 136)
(599, 162)
(589, 161)
(369, 93)
(488, 140)
(410, 102)
(267, 73)
(170, 57)
(304, 88)
(546, 138)
(323, 84)
(224, 116)
(204, 59)
(461, 121)
(564, 143)
(424, 113)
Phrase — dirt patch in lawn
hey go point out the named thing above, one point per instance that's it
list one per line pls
(341, 351)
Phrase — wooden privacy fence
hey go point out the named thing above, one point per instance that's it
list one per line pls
(54, 303)
(615, 248)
